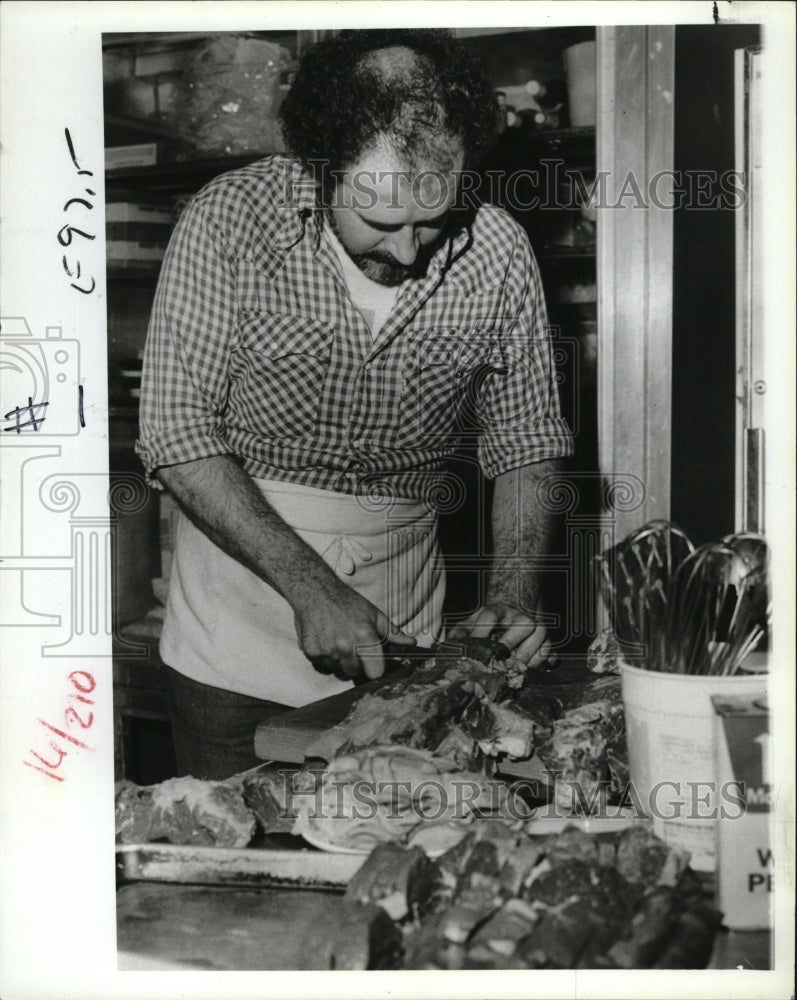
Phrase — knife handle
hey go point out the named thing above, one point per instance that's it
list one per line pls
(399, 653)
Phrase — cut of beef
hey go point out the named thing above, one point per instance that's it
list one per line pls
(403, 881)
(592, 726)
(361, 936)
(184, 811)
(441, 704)
(269, 794)
(619, 900)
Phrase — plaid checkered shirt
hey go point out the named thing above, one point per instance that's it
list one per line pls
(255, 349)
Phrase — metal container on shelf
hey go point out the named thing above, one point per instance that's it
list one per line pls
(581, 83)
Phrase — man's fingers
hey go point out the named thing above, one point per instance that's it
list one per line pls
(386, 629)
(519, 629)
(543, 655)
(402, 638)
(480, 625)
(535, 650)
(323, 664)
(373, 661)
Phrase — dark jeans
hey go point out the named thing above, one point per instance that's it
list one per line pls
(213, 729)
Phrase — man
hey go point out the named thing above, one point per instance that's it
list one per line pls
(321, 323)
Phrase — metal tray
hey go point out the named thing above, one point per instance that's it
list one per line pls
(231, 866)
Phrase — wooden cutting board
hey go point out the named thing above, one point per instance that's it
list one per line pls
(284, 737)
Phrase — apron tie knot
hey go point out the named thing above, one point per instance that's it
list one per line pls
(349, 551)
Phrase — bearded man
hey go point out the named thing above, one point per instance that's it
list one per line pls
(322, 322)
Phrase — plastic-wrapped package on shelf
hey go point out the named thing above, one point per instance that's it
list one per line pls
(229, 95)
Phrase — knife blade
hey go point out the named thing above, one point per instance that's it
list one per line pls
(397, 655)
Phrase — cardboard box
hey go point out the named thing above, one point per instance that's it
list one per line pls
(744, 772)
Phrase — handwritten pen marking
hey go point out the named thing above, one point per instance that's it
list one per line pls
(67, 232)
(34, 421)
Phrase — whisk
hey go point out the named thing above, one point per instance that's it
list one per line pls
(687, 610)
(635, 575)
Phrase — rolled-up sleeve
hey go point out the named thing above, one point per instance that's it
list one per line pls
(186, 361)
(519, 411)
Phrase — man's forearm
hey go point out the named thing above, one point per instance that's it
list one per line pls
(223, 501)
(522, 530)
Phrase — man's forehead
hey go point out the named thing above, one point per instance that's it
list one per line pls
(386, 195)
(384, 184)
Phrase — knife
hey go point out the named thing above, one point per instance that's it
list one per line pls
(397, 655)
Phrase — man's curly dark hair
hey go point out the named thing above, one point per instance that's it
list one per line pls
(345, 101)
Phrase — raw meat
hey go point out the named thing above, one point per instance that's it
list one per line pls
(390, 793)
(589, 733)
(403, 881)
(183, 811)
(438, 700)
(568, 901)
(269, 795)
(362, 936)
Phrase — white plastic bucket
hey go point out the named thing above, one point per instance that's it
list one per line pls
(581, 83)
(670, 733)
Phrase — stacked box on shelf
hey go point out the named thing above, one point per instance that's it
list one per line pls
(136, 233)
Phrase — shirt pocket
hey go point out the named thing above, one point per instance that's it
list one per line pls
(282, 364)
(445, 375)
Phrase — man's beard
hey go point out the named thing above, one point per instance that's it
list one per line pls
(382, 267)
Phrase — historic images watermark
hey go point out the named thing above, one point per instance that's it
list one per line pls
(550, 186)
(428, 800)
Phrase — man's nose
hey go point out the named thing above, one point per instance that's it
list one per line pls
(403, 245)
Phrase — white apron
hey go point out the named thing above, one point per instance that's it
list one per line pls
(225, 627)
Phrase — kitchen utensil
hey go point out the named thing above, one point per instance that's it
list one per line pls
(397, 655)
(684, 610)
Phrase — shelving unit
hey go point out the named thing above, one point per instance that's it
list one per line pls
(178, 177)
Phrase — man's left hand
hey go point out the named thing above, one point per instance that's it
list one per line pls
(518, 630)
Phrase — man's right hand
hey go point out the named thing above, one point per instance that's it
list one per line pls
(341, 632)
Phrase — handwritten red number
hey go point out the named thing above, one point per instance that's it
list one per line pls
(89, 680)
(71, 713)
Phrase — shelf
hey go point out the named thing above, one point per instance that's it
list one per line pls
(564, 135)
(568, 253)
(123, 411)
(138, 126)
(573, 143)
(132, 273)
(188, 175)
(172, 39)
